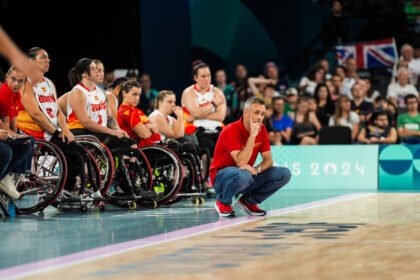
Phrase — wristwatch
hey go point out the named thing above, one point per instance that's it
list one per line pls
(258, 169)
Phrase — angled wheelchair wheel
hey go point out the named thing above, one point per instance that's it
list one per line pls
(93, 178)
(141, 175)
(167, 172)
(41, 186)
(188, 180)
(103, 158)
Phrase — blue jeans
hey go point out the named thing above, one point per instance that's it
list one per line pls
(231, 181)
(21, 154)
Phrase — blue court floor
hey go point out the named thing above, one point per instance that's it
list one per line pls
(42, 236)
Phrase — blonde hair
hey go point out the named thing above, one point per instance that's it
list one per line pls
(338, 109)
(161, 96)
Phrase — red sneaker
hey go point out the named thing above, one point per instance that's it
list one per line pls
(223, 209)
(251, 209)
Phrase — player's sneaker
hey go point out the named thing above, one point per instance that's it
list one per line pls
(7, 185)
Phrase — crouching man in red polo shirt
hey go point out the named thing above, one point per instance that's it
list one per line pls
(232, 171)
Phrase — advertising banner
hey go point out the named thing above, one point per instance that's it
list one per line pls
(351, 167)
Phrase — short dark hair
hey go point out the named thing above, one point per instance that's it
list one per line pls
(275, 98)
(410, 96)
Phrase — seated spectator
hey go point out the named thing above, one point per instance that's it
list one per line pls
(291, 101)
(263, 88)
(325, 104)
(380, 131)
(344, 116)
(412, 64)
(280, 123)
(240, 94)
(392, 109)
(351, 76)
(148, 96)
(380, 103)
(326, 65)
(362, 108)
(313, 107)
(370, 92)
(228, 90)
(272, 73)
(340, 70)
(399, 90)
(305, 125)
(315, 76)
(337, 83)
(408, 124)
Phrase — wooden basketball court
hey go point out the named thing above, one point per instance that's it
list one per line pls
(364, 236)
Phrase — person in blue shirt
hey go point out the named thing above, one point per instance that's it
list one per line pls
(281, 123)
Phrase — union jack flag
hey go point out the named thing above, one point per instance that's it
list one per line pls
(372, 54)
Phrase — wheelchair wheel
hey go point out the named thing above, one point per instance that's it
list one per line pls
(46, 180)
(167, 172)
(188, 179)
(103, 159)
(95, 179)
(142, 177)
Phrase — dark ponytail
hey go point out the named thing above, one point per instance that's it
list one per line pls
(33, 52)
(75, 73)
(127, 86)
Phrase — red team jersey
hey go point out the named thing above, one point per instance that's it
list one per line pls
(128, 117)
(9, 102)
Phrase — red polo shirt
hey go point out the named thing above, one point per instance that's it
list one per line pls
(233, 138)
(9, 102)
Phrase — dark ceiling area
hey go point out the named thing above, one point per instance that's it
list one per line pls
(70, 30)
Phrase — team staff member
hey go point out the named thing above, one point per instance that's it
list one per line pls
(232, 171)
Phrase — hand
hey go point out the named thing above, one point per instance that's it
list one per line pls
(254, 128)
(125, 134)
(179, 113)
(3, 134)
(118, 133)
(251, 169)
(66, 134)
(373, 140)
